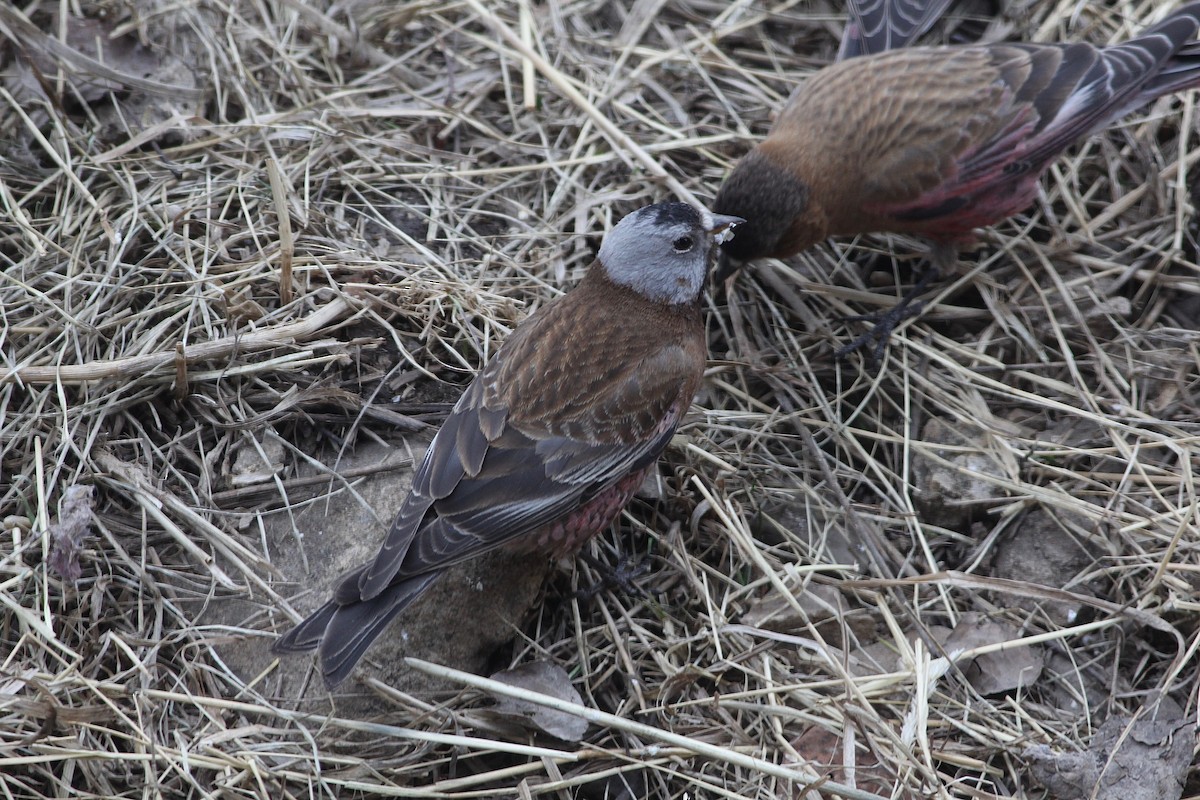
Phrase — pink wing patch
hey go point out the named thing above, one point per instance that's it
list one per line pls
(992, 181)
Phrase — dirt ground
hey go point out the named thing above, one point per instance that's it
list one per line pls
(253, 249)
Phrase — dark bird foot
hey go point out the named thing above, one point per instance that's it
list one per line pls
(620, 577)
(886, 321)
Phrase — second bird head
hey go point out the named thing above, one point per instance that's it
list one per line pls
(783, 219)
(664, 251)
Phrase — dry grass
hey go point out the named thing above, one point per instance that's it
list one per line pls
(359, 203)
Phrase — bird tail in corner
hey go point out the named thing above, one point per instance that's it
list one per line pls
(879, 25)
(1168, 50)
(1182, 69)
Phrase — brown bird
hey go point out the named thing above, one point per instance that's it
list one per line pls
(937, 141)
(550, 441)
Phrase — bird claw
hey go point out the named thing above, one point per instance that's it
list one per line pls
(621, 577)
(887, 321)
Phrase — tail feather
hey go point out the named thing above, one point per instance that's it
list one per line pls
(351, 629)
(344, 631)
(879, 25)
(307, 635)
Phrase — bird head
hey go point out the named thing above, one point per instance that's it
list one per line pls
(781, 220)
(664, 251)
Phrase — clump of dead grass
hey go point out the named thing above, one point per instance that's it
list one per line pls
(335, 204)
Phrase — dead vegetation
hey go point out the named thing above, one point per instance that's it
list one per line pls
(967, 573)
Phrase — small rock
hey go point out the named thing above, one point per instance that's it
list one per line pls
(948, 473)
(1047, 549)
(257, 461)
(1143, 759)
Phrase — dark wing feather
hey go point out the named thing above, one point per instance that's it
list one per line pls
(1115, 84)
(1182, 71)
(485, 482)
(457, 451)
(531, 478)
(879, 25)
(1077, 89)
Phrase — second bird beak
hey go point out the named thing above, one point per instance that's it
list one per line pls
(722, 227)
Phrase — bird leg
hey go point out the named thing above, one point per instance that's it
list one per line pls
(620, 577)
(887, 321)
(941, 258)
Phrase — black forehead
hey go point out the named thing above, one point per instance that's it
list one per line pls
(668, 214)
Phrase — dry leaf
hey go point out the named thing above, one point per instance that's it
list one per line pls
(996, 672)
(69, 530)
(825, 751)
(545, 678)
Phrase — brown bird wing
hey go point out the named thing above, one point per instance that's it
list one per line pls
(1119, 79)
(984, 106)
(489, 479)
(1052, 96)
(540, 431)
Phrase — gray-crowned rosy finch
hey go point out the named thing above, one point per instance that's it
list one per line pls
(938, 141)
(550, 441)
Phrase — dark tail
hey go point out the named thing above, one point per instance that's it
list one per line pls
(879, 25)
(307, 635)
(1182, 69)
(1129, 75)
(344, 632)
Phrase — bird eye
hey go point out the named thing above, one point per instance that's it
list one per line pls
(682, 244)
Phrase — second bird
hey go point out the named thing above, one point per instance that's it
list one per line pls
(552, 438)
(938, 141)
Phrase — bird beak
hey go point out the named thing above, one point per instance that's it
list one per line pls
(722, 227)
